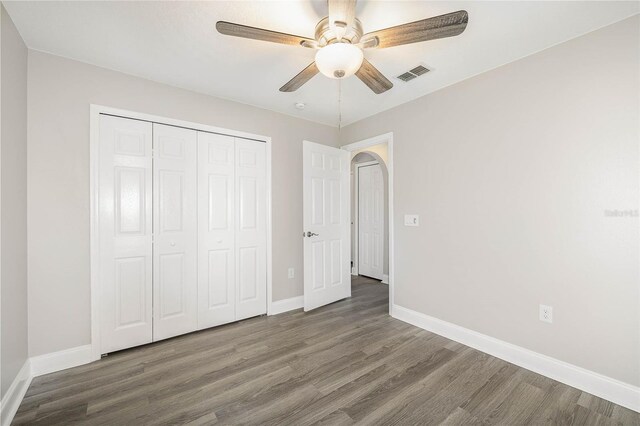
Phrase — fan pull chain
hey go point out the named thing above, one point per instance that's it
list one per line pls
(339, 105)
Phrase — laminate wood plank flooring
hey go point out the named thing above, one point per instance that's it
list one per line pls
(346, 363)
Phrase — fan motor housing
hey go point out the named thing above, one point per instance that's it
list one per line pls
(325, 34)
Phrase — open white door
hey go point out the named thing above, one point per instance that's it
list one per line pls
(326, 223)
(370, 221)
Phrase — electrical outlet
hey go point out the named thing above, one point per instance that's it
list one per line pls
(546, 313)
(291, 273)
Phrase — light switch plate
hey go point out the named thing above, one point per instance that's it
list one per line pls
(290, 273)
(411, 220)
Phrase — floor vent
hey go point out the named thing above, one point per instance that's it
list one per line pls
(413, 73)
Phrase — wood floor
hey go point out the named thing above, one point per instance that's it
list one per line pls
(342, 364)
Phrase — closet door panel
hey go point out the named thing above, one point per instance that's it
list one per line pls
(216, 223)
(175, 290)
(125, 222)
(251, 254)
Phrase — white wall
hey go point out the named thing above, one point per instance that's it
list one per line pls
(13, 193)
(512, 172)
(60, 91)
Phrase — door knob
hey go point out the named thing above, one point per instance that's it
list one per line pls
(312, 234)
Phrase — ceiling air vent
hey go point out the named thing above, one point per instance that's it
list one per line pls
(406, 76)
(419, 70)
(413, 73)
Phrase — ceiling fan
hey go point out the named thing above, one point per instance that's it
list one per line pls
(340, 42)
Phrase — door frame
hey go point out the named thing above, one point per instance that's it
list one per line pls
(355, 146)
(94, 172)
(356, 216)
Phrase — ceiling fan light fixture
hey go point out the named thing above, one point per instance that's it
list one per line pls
(340, 40)
(339, 60)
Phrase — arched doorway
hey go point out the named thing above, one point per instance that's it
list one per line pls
(369, 218)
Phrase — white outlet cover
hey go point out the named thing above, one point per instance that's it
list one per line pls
(411, 220)
(546, 313)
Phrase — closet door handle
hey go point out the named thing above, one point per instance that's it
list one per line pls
(312, 234)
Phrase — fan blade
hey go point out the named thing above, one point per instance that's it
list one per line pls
(373, 78)
(303, 76)
(449, 25)
(342, 14)
(237, 30)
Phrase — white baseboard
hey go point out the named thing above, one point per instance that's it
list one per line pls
(586, 380)
(37, 366)
(385, 279)
(13, 397)
(280, 306)
(56, 361)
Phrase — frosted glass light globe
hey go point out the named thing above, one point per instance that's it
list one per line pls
(339, 60)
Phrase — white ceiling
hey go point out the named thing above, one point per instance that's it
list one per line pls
(176, 43)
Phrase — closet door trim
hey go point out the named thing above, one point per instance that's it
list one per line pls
(95, 111)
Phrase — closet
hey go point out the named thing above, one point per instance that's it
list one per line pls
(182, 231)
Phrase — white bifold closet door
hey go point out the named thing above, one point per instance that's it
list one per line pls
(175, 248)
(251, 229)
(232, 222)
(125, 229)
(216, 224)
(182, 231)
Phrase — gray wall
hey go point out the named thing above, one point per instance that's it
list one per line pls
(512, 172)
(13, 191)
(60, 91)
